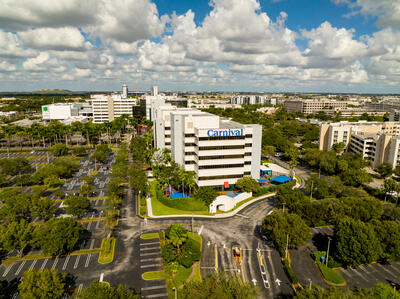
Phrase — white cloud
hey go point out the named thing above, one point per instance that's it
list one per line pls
(65, 38)
(82, 73)
(11, 46)
(333, 43)
(22, 14)
(7, 67)
(44, 62)
(123, 48)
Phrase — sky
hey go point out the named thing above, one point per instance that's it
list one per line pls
(200, 45)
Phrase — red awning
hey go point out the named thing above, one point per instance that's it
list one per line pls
(226, 185)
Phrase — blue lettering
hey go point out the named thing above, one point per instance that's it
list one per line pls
(228, 132)
(208, 132)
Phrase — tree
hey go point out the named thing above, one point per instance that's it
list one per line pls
(278, 226)
(357, 242)
(16, 205)
(268, 150)
(13, 166)
(59, 149)
(385, 169)
(388, 233)
(247, 184)
(355, 177)
(177, 235)
(42, 207)
(58, 235)
(206, 194)
(390, 186)
(190, 253)
(77, 205)
(52, 181)
(16, 235)
(44, 284)
(221, 285)
(101, 153)
(396, 171)
(101, 290)
(79, 151)
(339, 147)
(318, 187)
(364, 209)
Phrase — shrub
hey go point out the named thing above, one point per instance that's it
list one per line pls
(190, 253)
(168, 253)
(289, 271)
(142, 210)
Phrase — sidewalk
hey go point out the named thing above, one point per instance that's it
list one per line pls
(217, 216)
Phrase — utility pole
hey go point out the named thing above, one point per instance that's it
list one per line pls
(312, 186)
(327, 252)
(192, 221)
(310, 282)
(287, 245)
(283, 208)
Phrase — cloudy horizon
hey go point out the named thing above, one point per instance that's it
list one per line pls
(226, 45)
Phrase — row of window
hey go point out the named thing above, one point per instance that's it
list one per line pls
(221, 166)
(221, 157)
(218, 177)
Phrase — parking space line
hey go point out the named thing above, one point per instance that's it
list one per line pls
(150, 243)
(149, 253)
(150, 266)
(55, 263)
(157, 295)
(89, 225)
(97, 224)
(88, 260)
(153, 288)
(33, 264)
(150, 260)
(44, 264)
(92, 244)
(78, 257)
(386, 270)
(20, 267)
(358, 274)
(392, 266)
(66, 262)
(149, 248)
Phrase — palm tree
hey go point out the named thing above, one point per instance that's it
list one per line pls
(178, 235)
(190, 181)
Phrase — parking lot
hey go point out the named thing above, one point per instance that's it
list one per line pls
(368, 276)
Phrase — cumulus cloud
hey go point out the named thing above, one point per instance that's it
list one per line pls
(11, 46)
(7, 67)
(43, 62)
(65, 38)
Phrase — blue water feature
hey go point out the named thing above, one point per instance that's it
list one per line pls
(178, 195)
(231, 194)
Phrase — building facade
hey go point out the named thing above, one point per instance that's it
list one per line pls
(309, 106)
(219, 151)
(375, 141)
(250, 100)
(64, 111)
(109, 107)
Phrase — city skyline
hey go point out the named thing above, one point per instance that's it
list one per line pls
(225, 45)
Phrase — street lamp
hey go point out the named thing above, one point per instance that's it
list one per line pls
(327, 252)
(176, 292)
(310, 282)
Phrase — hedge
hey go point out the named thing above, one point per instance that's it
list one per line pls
(289, 271)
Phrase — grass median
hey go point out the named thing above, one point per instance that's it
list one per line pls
(152, 275)
(149, 236)
(106, 255)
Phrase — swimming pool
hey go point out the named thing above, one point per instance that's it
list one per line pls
(232, 194)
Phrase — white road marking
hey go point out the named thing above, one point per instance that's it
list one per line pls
(89, 225)
(151, 243)
(150, 253)
(88, 260)
(149, 248)
(92, 244)
(98, 224)
(201, 230)
(153, 288)
(157, 295)
(44, 264)
(20, 267)
(77, 261)
(101, 277)
(66, 262)
(55, 263)
(150, 266)
(33, 264)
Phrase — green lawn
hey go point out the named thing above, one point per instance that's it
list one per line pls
(161, 209)
(149, 236)
(330, 275)
(153, 275)
(106, 255)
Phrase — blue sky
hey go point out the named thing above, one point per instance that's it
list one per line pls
(225, 45)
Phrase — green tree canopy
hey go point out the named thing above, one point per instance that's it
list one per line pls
(12, 166)
(58, 235)
(357, 242)
(206, 194)
(16, 235)
(77, 205)
(221, 285)
(177, 235)
(278, 225)
(43, 284)
(385, 169)
(247, 184)
(59, 149)
(101, 290)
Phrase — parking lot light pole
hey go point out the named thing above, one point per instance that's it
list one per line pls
(283, 208)
(327, 252)
(310, 282)
(176, 292)
(287, 244)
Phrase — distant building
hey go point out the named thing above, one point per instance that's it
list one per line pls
(109, 107)
(250, 100)
(394, 115)
(377, 141)
(124, 91)
(64, 111)
(154, 91)
(308, 106)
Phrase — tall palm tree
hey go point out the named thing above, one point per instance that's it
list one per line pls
(190, 181)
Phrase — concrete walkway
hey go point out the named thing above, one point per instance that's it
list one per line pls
(224, 215)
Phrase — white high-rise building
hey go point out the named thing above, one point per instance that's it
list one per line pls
(124, 91)
(63, 111)
(218, 150)
(110, 107)
(154, 90)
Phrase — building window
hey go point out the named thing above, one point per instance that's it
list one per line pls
(190, 162)
(217, 177)
(247, 154)
(247, 173)
(221, 138)
(190, 135)
(221, 166)
(205, 148)
(247, 163)
(190, 144)
(190, 153)
(221, 157)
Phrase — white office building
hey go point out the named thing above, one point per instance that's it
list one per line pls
(65, 111)
(218, 150)
(250, 100)
(109, 107)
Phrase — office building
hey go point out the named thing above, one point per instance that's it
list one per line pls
(313, 106)
(218, 150)
(109, 107)
(124, 91)
(376, 141)
(250, 100)
(154, 91)
(64, 111)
